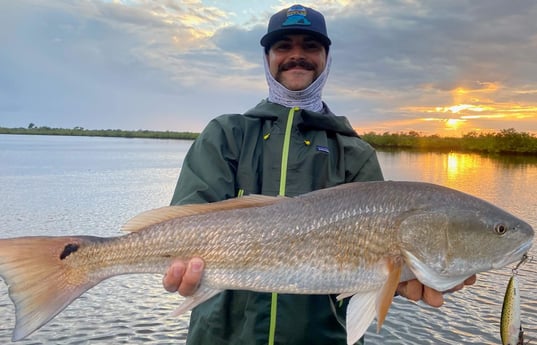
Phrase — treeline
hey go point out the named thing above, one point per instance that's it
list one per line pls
(79, 131)
(506, 141)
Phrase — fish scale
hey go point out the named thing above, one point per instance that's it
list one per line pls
(353, 240)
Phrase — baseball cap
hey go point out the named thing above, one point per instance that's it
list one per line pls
(296, 19)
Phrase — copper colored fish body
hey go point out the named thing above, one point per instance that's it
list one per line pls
(358, 239)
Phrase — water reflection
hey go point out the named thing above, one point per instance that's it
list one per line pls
(458, 164)
(503, 181)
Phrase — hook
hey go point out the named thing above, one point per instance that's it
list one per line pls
(525, 257)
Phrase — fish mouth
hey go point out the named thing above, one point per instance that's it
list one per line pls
(514, 256)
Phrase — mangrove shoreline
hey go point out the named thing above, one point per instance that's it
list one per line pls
(504, 142)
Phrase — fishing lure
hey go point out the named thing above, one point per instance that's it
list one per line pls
(511, 330)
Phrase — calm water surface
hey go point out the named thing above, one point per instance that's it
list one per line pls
(84, 185)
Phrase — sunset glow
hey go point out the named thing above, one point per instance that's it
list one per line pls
(454, 123)
(476, 110)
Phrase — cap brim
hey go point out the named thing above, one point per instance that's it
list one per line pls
(269, 39)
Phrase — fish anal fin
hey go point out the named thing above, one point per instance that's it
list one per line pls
(203, 293)
(344, 295)
(162, 214)
(360, 314)
(386, 293)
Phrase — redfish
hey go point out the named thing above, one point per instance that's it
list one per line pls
(352, 240)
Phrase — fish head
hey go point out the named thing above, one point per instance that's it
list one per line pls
(445, 245)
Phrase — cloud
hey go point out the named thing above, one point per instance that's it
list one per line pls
(417, 53)
(176, 64)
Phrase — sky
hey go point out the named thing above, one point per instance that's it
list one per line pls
(432, 66)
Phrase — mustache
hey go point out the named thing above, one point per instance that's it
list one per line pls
(297, 63)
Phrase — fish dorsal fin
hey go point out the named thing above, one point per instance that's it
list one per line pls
(162, 214)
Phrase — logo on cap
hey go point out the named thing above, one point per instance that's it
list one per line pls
(296, 15)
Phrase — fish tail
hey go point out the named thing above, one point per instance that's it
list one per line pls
(41, 280)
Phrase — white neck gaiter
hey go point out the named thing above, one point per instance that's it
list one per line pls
(310, 98)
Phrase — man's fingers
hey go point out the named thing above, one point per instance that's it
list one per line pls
(192, 277)
(412, 289)
(455, 288)
(471, 280)
(415, 291)
(436, 299)
(173, 277)
(432, 297)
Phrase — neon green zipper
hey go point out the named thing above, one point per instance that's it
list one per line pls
(283, 180)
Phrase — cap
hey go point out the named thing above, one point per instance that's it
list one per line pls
(296, 19)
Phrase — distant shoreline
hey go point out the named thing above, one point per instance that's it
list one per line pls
(77, 131)
(504, 142)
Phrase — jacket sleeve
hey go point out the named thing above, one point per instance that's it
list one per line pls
(208, 172)
(361, 162)
(370, 170)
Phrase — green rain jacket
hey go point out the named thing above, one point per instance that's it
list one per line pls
(271, 150)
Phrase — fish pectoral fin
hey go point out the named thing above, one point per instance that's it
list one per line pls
(386, 293)
(360, 314)
(162, 214)
(203, 294)
(429, 277)
(364, 306)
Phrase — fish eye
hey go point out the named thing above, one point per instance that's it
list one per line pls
(500, 228)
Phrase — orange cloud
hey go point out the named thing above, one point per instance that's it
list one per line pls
(475, 108)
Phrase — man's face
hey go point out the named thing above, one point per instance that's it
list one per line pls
(295, 61)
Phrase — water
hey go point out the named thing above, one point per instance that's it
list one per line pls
(84, 185)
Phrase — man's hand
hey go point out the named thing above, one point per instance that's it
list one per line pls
(415, 291)
(184, 277)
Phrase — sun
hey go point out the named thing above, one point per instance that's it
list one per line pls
(454, 124)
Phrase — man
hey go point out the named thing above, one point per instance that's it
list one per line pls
(289, 144)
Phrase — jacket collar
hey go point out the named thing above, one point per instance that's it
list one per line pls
(327, 121)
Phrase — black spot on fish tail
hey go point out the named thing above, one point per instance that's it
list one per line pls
(68, 250)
